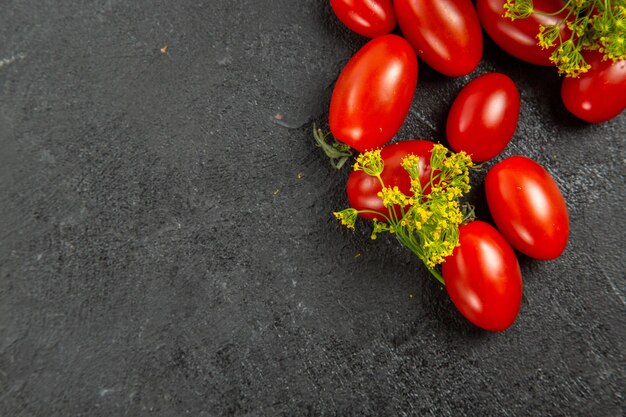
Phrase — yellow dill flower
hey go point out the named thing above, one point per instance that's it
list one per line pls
(593, 25)
(569, 60)
(379, 227)
(518, 9)
(438, 155)
(411, 164)
(347, 217)
(427, 224)
(424, 215)
(370, 162)
(548, 35)
(416, 187)
(393, 195)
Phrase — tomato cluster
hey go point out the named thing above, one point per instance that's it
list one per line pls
(370, 102)
(597, 95)
(446, 35)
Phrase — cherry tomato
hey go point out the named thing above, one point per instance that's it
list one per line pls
(362, 189)
(528, 207)
(373, 93)
(599, 94)
(483, 277)
(484, 116)
(370, 18)
(519, 37)
(445, 33)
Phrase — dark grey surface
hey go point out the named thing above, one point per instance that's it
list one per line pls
(167, 249)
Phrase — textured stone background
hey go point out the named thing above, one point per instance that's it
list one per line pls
(166, 248)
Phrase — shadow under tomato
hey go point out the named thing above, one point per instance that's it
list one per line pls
(435, 299)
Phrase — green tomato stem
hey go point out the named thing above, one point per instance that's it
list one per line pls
(338, 152)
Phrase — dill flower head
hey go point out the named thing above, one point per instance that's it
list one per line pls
(427, 222)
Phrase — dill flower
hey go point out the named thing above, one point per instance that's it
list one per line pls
(593, 25)
(427, 223)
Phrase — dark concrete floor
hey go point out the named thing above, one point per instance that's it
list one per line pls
(167, 248)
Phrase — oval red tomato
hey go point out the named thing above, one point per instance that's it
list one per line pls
(519, 37)
(373, 93)
(483, 277)
(362, 189)
(370, 18)
(599, 94)
(445, 33)
(527, 207)
(484, 116)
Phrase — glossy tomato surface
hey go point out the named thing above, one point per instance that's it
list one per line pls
(370, 18)
(446, 34)
(483, 277)
(599, 94)
(362, 189)
(519, 37)
(483, 117)
(373, 93)
(528, 207)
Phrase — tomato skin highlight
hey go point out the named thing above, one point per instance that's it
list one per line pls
(483, 277)
(369, 18)
(599, 94)
(483, 117)
(519, 37)
(446, 34)
(528, 207)
(373, 93)
(362, 189)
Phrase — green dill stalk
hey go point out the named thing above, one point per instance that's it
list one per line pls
(593, 25)
(427, 224)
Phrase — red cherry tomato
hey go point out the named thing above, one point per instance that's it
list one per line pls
(599, 94)
(373, 93)
(528, 207)
(369, 18)
(483, 277)
(519, 37)
(362, 189)
(445, 33)
(484, 116)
